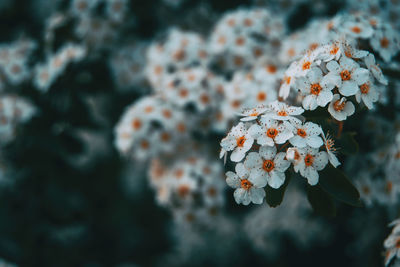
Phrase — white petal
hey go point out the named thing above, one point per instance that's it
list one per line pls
(257, 195)
(258, 178)
(255, 131)
(348, 88)
(238, 154)
(280, 163)
(333, 159)
(310, 102)
(240, 195)
(360, 76)
(253, 160)
(324, 98)
(282, 137)
(228, 143)
(314, 141)
(312, 175)
(265, 141)
(298, 141)
(276, 179)
(333, 66)
(232, 180)
(320, 160)
(267, 152)
(241, 171)
(349, 108)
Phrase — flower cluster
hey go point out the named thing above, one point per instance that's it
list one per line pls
(192, 188)
(268, 140)
(150, 127)
(241, 37)
(330, 75)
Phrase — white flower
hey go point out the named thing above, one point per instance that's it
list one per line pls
(293, 155)
(271, 131)
(386, 42)
(340, 109)
(287, 81)
(281, 111)
(316, 88)
(252, 114)
(368, 93)
(247, 189)
(392, 244)
(238, 140)
(306, 134)
(313, 161)
(267, 166)
(330, 149)
(359, 29)
(347, 76)
(374, 69)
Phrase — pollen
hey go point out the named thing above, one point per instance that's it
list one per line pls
(238, 61)
(384, 42)
(301, 133)
(248, 22)
(136, 124)
(240, 41)
(282, 113)
(178, 173)
(339, 105)
(212, 192)
(167, 113)
(205, 99)
(183, 93)
(271, 132)
(356, 29)
(315, 88)
(345, 75)
(221, 40)
(145, 144)
(183, 190)
(389, 187)
(179, 55)
(313, 46)
(148, 109)
(240, 141)
(158, 70)
(306, 65)
(257, 52)
(291, 52)
(334, 50)
(181, 127)
(309, 160)
(287, 79)
(245, 184)
(268, 165)
(364, 88)
(271, 68)
(165, 137)
(261, 96)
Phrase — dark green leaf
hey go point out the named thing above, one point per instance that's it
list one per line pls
(347, 143)
(321, 202)
(274, 197)
(335, 182)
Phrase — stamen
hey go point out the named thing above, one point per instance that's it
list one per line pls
(246, 184)
(268, 165)
(240, 141)
(309, 160)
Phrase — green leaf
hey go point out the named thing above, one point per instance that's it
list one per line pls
(347, 143)
(321, 202)
(335, 182)
(274, 197)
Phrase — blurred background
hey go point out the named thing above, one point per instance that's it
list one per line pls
(73, 193)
